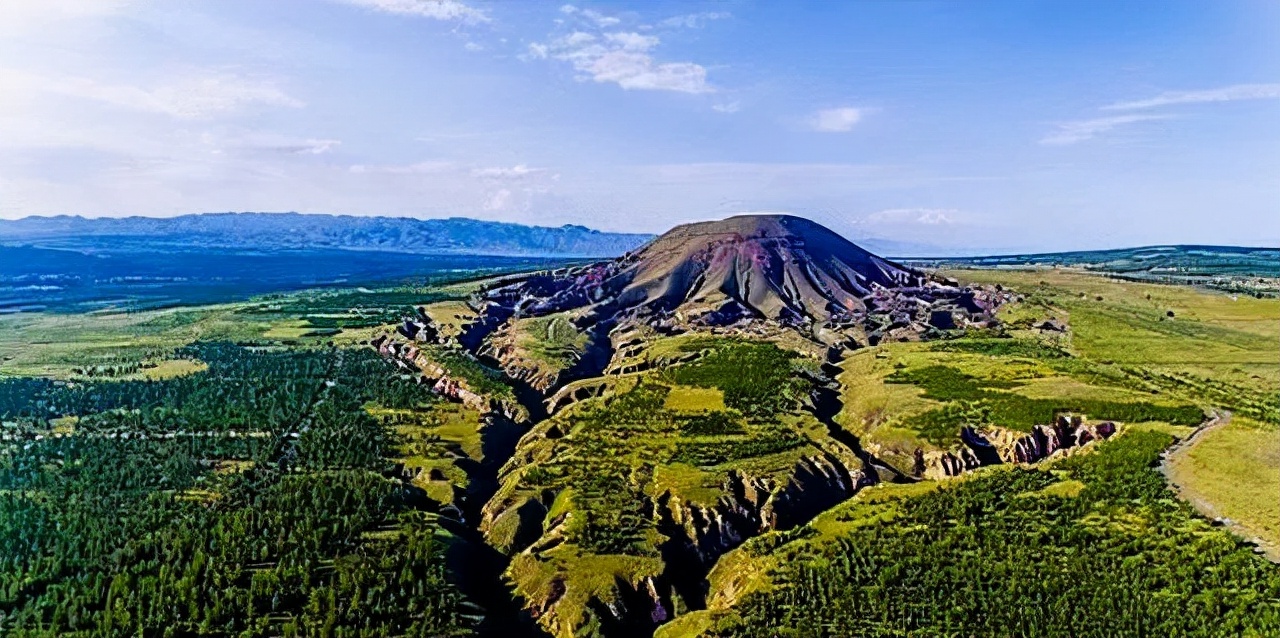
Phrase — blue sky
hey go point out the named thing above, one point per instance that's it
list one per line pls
(943, 127)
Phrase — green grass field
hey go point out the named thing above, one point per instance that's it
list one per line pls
(1212, 348)
(56, 344)
(1233, 472)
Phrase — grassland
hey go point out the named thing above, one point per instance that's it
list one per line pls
(593, 505)
(1208, 347)
(552, 339)
(449, 317)
(905, 396)
(56, 345)
(1233, 472)
(1127, 322)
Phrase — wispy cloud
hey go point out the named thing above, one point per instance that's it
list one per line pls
(601, 53)
(1223, 94)
(1079, 131)
(508, 189)
(625, 59)
(419, 168)
(449, 10)
(271, 143)
(693, 20)
(518, 171)
(838, 120)
(727, 107)
(599, 19)
(913, 216)
(198, 96)
(498, 200)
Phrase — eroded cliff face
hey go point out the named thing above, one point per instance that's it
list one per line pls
(995, 445)
(624, 607)
(752, 506)
(533, 526)
(502, 347)
(413, 357)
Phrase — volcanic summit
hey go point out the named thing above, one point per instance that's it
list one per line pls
(777, 269)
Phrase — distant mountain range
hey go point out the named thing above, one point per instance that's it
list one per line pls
(294, 231)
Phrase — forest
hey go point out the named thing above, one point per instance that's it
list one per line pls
(250, 499)
(974, 558)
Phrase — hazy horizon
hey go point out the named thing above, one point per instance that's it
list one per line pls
(977, 129)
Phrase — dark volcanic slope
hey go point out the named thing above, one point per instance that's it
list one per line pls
(776, 267)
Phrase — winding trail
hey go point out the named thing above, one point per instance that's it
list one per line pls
(1179, 450)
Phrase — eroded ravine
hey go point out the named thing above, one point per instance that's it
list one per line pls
(643, 495)
(694, 536)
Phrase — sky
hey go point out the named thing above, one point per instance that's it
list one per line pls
(947, 127)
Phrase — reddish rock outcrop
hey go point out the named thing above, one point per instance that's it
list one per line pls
(1011, 446)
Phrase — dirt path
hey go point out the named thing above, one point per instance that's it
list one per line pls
(1219, 419)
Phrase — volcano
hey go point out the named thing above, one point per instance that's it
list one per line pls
(759, 276)
(775, 267)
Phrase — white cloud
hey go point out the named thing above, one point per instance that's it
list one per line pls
(838, 120)
(419, 168)
(308, 147)
(45, 15)
(914, 216)
(1079, 131)
(631, 41)
(473, 46)
(693, 20)
(599, 19)
(727, 107)
(625, 58)
(1223, 94)
(196, 97)
(506, 173)
(451, 10)
(537, 51)
(577, 39)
